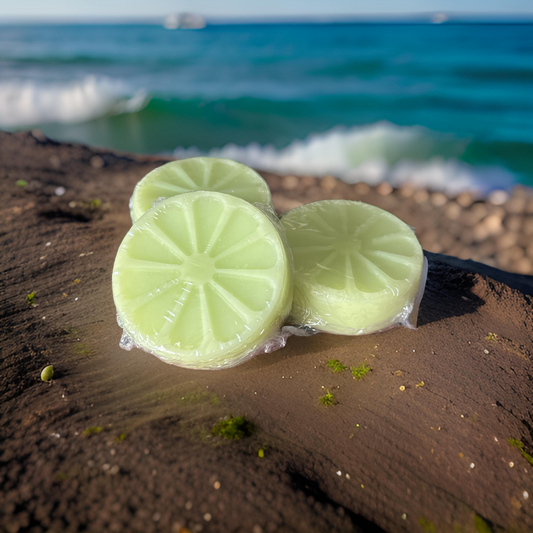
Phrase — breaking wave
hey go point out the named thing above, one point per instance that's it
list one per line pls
(27, 103)
(374, 153)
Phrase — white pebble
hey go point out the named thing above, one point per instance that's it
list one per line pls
(339, 473)
(207, 517)
(60, 191)
(525, 495)
(472, 465)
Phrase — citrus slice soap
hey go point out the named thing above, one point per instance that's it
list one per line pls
(357, 268)
(198, 174)
(203, 280)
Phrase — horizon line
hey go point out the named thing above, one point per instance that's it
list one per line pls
(215, 20)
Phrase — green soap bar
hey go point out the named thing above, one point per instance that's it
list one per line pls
(356, 267)
(198, 174)
(202, 280)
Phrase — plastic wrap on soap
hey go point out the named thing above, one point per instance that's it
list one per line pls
(357, 269)
(204, 280)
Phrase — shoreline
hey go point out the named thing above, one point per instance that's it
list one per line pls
(121, 441)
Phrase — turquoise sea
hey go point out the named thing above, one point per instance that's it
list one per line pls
(444, 105)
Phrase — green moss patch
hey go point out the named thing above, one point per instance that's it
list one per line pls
(328, 399)
(31, 298)
(359, 372)
(336, 366)
(515, 443)
(233, 428)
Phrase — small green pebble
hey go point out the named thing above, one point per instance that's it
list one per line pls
(261, 453)
(336, 366)
(359, 372)
(47, 373)
(21, 183)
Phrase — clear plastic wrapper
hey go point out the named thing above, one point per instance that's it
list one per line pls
(203, 280)
(198, 174)
(358, 269)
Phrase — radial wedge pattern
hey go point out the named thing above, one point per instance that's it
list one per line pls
(357, 268)
(198, 174)
(203, 280)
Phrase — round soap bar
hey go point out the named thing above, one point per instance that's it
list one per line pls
(202, 280)
(357, 268)
(198, 174)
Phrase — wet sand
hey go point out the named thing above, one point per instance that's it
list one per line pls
(120, 441)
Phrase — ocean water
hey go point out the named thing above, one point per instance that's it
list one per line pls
(449, 106)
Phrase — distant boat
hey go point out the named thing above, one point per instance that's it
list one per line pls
(184, 21)
(439, 18)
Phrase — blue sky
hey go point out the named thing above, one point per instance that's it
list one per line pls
(79, 9)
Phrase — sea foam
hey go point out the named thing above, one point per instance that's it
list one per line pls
(27, 103)
(374, 153)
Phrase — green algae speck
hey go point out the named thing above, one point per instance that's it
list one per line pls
(426, 525)
(199, 397)
(233, 428)
(81, 348)
(515, 443)
(93, 430)
(31, 298)
(120, 438)
(481, 525)
(21, 183)
(336, 366)
(328, 399)
(359, 372)
(260, 453)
